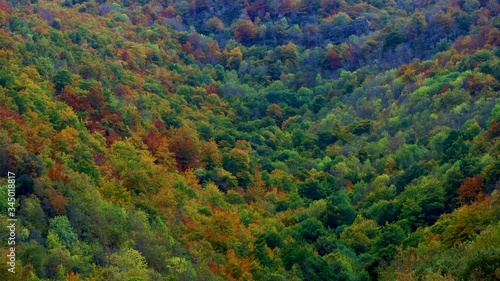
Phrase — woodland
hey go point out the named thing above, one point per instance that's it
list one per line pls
(250, 140)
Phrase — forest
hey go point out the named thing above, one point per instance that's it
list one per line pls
(262, 140)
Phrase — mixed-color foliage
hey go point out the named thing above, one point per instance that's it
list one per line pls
(251, 140)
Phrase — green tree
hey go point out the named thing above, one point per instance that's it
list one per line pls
(62, 78)
(340, 211)
(237, 161)
(128, 264)
(422, 203)
(60, 225)
(454, 147)
(311, 229)
(386, 244)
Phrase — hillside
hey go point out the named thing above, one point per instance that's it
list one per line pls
(250, 140)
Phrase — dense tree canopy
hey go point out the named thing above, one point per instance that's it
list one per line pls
(251, 140)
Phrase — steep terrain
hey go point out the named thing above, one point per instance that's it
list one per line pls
(251, 140)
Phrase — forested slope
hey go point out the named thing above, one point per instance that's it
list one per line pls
(251, 140)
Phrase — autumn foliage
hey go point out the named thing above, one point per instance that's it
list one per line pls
(250, 140)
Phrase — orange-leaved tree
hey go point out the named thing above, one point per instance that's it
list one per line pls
(470, 191)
